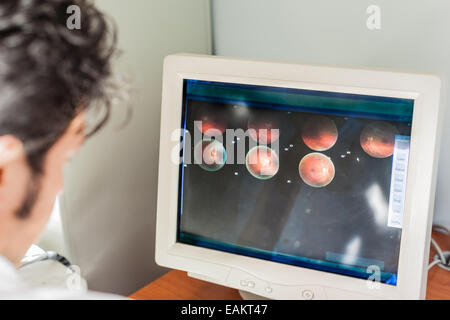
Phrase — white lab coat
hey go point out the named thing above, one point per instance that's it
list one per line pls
(13, 287)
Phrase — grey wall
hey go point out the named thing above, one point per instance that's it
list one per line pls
(108, 209)
(414, 36)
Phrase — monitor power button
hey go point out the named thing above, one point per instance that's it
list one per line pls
(308, 294)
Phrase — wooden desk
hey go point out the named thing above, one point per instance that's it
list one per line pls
(176, 285)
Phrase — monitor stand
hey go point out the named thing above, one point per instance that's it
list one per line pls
(251, 296)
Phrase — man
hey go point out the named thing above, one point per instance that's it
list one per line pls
(49, 76)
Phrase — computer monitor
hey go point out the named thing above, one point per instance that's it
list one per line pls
(292, 181)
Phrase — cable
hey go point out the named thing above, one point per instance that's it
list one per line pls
(439, 251)
(432, 264)
(440, 228)
(441, 260)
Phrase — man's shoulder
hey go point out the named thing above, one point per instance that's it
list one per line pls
(14, 287)
(48, 293)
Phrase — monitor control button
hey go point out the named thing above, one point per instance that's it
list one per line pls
(268, 289)
(244, 283)
(308, 294)
(251, 284)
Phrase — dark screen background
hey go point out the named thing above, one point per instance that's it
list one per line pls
(283, 214)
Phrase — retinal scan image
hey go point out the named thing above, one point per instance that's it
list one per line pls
(313, 188)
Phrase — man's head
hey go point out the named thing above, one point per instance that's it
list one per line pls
(49, 75)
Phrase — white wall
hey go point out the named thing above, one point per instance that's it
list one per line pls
(109, 205)
(414, 36)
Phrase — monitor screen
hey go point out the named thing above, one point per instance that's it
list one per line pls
(308, 178)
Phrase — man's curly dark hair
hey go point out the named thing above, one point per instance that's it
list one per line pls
(48, 73)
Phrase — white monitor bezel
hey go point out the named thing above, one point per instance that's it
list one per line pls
(216, 266)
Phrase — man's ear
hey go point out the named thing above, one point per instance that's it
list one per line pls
(11, 148)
